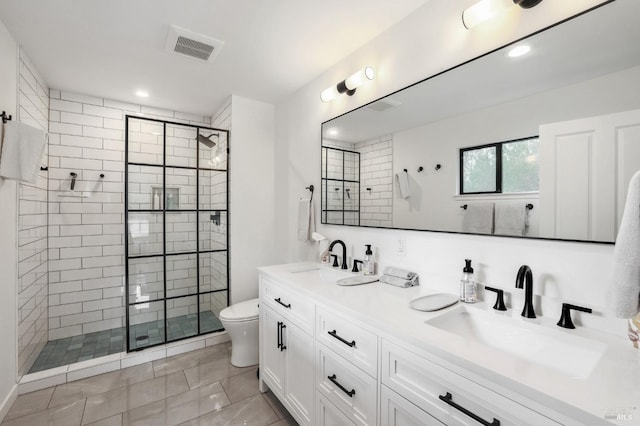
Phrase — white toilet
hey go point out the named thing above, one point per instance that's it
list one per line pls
(241, 322)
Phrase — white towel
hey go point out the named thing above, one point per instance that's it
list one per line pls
(625, 290)
(22, 151)
(399, 273)
(398, 282)
(403, 183)
(511, 219)
(306, 220)
(478, 218)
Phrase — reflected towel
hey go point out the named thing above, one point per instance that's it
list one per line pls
(478, 218)
(511, 219)
(634, 330)
(403, 183)
(398, 282)
(625, 290)
(306, 220)
(22, 151)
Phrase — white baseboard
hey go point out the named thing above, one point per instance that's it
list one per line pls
(8, 402)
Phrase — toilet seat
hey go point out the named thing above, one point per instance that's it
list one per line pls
(243, 311)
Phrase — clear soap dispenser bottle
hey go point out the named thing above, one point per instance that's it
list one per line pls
(468, 284)
(368, 264)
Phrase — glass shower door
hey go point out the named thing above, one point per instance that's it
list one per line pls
(177, 240)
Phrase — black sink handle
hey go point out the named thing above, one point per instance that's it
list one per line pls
(499, 305)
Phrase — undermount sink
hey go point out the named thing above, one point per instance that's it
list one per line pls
(322, 273)
(571, 355)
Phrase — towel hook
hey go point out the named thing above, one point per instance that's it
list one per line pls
(311, 188)
(529, 206)
(464, 206)
(420, 169)
(5, 117)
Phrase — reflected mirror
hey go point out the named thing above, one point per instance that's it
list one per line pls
(541, 145)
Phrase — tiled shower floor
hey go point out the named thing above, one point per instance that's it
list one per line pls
(66, 351)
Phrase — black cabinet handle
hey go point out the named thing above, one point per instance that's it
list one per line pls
(448, 398)
(333, 333)
(286, 305)
(279, 335)
(282, 346)
(342, 388)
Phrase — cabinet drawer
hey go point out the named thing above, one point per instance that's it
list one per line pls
(348, 340)
(446, 395)
(291, 306)
(328, 415)
(397, 411)
(350, 389)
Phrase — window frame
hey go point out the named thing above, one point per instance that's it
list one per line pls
(499, 168)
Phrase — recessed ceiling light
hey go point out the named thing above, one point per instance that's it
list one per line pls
(519, 51)
(332, 131)
(142, 94)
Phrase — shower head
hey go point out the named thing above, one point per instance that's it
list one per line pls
(207, 139)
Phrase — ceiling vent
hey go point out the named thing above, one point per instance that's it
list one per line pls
(191, 44)
(384, 104)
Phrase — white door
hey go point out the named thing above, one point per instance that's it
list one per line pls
(272, 368)
(299, 381)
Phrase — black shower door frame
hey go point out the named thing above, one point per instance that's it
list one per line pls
(164, 211)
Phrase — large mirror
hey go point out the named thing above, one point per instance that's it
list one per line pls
(541, 145)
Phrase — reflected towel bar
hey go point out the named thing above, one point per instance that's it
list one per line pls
(528, 206)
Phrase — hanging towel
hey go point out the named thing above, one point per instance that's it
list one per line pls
(403, 183)
(625, 290)
(511, 219)
(478, 218)
(306, 220)
(22, 151)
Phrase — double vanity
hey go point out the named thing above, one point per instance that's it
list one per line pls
(359, 355)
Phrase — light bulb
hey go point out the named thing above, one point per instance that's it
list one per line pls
(329, 94)
(483, 11)
(359, 78)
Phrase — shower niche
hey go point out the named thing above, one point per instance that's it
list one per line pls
(176, 240)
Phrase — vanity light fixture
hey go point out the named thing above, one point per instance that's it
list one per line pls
(485, 10)
(348, 85)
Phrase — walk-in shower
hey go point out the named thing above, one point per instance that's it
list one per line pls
(174, 277)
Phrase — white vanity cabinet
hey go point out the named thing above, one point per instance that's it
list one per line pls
(286, 349)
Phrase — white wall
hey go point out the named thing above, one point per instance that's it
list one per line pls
(251, 195)
(8, 233)
(430, 40)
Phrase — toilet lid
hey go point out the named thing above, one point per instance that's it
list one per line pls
(241, 311)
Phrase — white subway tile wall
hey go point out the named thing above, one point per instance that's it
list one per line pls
(33, 100)
(376, 172)
(86, 230)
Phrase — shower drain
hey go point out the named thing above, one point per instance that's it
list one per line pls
(140, 338)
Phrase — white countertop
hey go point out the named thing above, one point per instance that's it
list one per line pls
(612, 387)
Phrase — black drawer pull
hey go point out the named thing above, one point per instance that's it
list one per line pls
(448, 398)
(286, 305)
(342, 388)
(335, 334)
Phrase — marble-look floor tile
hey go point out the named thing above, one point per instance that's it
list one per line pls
(241, 386)
(287, 421)
(276, 405)
(187, 360)
(102, 383)
(64, 415)
(212, 372)
(123, 399)
(109, 421)
(254, 411)
(30, 403)
(180, 408)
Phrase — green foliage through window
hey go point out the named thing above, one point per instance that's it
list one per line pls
(504, 167)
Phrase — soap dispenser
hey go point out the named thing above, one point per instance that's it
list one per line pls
(368, 265)
(467, 284)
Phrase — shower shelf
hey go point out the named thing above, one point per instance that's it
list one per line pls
(73, 194)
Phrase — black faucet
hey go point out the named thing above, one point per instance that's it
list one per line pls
(344, 252)
(525, 275)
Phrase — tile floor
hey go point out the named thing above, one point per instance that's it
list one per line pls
(93, 345)
(196, 388)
